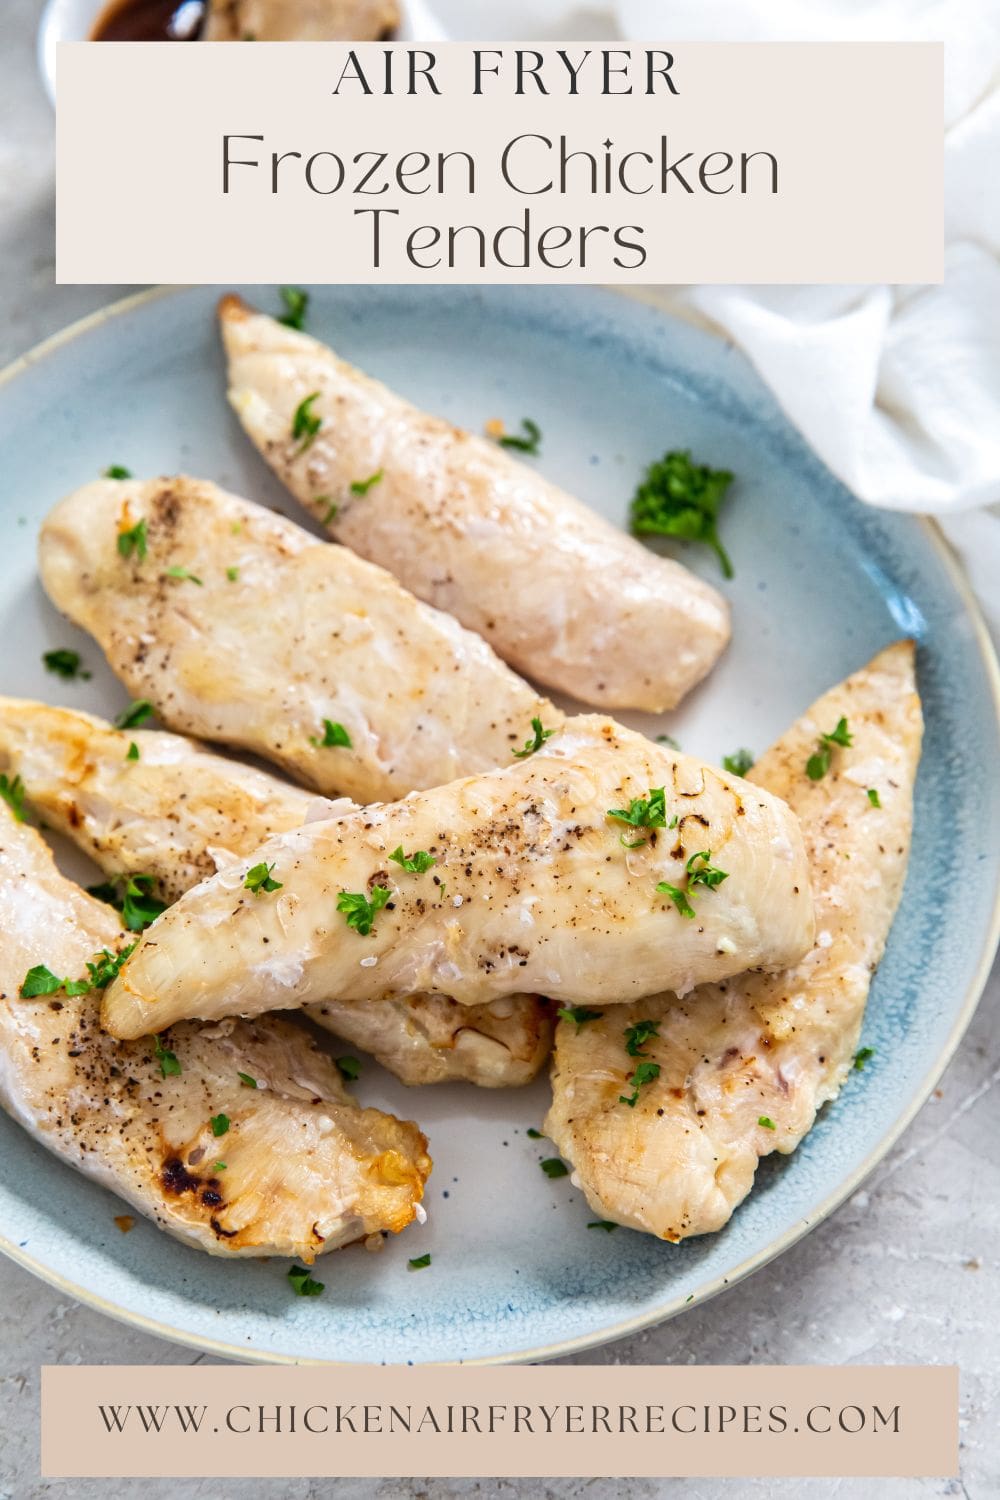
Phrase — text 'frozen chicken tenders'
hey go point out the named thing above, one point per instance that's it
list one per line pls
(240, 627)
(664, 1107)
(532, 885)
(558, 592)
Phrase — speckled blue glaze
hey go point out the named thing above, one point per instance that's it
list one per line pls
(821, 583)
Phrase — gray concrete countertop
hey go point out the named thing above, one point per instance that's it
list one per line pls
(907, 1272)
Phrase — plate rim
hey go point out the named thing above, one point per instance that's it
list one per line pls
(674, 1304)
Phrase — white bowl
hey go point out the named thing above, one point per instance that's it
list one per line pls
(73, 21)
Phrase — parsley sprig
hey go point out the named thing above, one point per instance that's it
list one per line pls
(13, 793)
(296, 306)
(819, 762)
(578, 1013)
(645, 1072)
(102, 969)
(65, 663)
(133, 540)
(303, 1284)
(184, 575)
(259, 879)
(528, 440)
(739, 763)
(362, 486)
(305, 424)
(137, 713)
(417, 863)
(133, 897)
(701, 871)
(169, 1066)
(642, 812)
(680, 498)
(536, 742)
(333, 734)
(360, 910)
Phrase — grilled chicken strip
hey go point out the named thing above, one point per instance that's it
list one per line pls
(243, 628)
(744, 1066)
(555, 590)
(300, 20)
(306, 1169)
(178, 813)
(531, 888)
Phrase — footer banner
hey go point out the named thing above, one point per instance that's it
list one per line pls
(542, 1421)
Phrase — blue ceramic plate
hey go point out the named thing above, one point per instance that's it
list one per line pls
(821, 583)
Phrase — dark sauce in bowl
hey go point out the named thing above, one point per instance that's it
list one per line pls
(150, 21)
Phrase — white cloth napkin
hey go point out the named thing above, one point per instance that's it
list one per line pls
(896, 387)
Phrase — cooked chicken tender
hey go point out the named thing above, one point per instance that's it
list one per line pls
(556, 590)
(743, 1067)
(177, 812)
(291, 1167)
(530, 887)
(242, 628)
(300, 20)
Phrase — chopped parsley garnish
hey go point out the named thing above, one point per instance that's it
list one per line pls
(680, 498)
(605, 1224)
(667, 739)
(331, 508)
(259, 879)
(701, 871)
(220, 1124)
(739, 763)
(303, 1284)
(65, 663)
(359, 910)
(137, 713)
(533, 1134)
(296, 303)
(105, 967)
(304, 424)
(766, 1122)
(133, 539)
(839, 736)
(642, 812)
(132, 753)
(107, 891)
(169, 1066)
(638, 1035)
(232, 574)
(873, 797)
(220, 1166)
(362, 486)
(536, 743)
(184, 575)
(349, 1068)
(819, 762)
(553, 1167)
(117, 471)
(417, 863)
(862, 1056)
(12, 792)
(333, 734)
(40, 981)
(677, 896)
(645, 1072)
(578, 1013)
(247, 1081)
(139, 906)
(528, 440)
(419, 1262)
